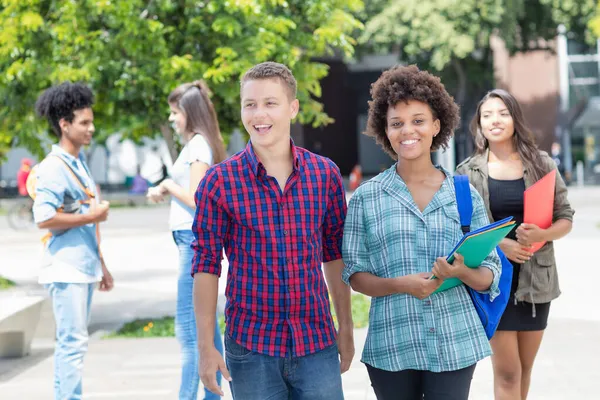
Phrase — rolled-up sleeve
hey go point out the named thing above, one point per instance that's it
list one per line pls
(333, 226)
(49, 192)
(210, 226)
(492, 261)
(354, 249)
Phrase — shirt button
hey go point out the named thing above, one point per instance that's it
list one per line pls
(431, 330)
(427, 302)
(285, 232)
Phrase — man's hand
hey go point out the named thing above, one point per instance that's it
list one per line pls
(107, 282)
(211, 361)
(442, 269)
(528, 234)
(420, 285)
(100, 212)
(345, 344)
(514, 251)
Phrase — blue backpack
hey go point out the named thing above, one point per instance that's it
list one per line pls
(489, 311)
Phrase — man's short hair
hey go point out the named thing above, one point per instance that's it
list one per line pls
(272, 70)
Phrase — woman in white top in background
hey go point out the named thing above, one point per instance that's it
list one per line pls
(194, 118)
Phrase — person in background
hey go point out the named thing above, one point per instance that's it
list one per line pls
(506, 162)
(72, 264)
(22, 175)
(139, 185)
(193, 117)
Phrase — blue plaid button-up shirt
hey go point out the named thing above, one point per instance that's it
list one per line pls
(387, 235)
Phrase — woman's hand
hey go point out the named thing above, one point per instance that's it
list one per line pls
(515, 251)
(444, 270)
(166, 185)
(156, 194)
(528, 234)
(421, 285)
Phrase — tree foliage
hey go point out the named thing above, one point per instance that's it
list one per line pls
(133, 53)
(452, 37)
(594, 23)
(448, 29)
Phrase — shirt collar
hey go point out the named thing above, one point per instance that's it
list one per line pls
(480, 161)
(59, 151)
(393, 184)
(390, 176)
(256, 165)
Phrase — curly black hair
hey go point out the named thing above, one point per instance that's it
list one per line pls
(404, 83)
(60, 101)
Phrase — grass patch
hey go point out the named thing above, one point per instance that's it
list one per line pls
(165, 327)
(6, 283)
(145, 328)
(360, 310)
(129, 204)
(2, 211)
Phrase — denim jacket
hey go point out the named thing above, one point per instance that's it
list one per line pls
(56, 186)
(538, 280)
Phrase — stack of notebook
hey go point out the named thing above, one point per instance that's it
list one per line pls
(475, 246)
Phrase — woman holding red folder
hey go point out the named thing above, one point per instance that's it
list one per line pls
(506, 162)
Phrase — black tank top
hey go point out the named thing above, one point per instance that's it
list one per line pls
(506, 200)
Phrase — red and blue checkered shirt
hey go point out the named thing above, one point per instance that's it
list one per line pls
(277, 299)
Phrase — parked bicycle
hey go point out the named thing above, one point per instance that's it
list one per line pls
(20, 215)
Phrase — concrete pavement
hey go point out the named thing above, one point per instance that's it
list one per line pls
(142, 257)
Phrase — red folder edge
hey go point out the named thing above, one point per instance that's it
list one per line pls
(538, 204)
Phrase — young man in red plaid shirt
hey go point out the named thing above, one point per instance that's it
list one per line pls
(278, 211)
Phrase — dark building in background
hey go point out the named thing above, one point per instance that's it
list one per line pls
(345, 96)
(533, 78)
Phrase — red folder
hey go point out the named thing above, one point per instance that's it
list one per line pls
(539, 204)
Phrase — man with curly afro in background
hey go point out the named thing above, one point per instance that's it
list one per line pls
(64, 204)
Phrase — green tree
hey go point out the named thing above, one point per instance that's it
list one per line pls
(452, 37)
(134, 52)
(594, 23)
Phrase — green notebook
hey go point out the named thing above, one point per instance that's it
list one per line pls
(476, 246)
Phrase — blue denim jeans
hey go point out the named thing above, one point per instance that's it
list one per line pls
(71, 304)
(257, 376)
(185, 322)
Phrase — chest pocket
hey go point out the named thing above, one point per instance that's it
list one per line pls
(452, 231)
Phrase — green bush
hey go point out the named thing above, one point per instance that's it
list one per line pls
(5, 283)
(141, 328)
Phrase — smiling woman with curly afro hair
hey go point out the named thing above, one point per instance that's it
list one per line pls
(400, 227)
(401, 84)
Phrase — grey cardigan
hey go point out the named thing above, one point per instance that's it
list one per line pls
(538, 278)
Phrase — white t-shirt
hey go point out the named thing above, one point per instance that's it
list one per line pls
(197, 149)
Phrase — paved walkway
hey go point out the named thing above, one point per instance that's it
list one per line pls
(143, 369)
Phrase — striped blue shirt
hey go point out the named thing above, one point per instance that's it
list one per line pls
(387, 235)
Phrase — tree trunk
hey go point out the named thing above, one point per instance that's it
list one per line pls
(167, 133)
(461, 91)
(461, 136)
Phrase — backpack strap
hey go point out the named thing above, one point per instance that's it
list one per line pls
(463, 201)
(90, 201)
(82, 185)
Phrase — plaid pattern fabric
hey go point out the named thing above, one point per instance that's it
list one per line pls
(388, 236)
(277, 299)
